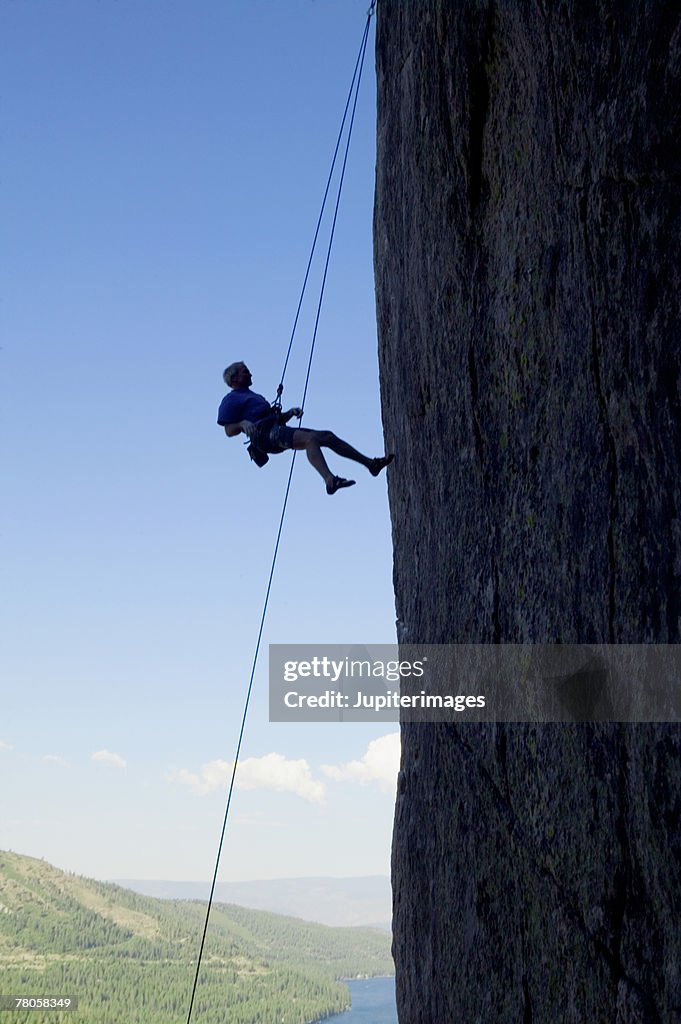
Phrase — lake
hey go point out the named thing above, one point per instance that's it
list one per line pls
(373, 1002)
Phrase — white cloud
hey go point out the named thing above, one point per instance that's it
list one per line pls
(271, 771)
(57, 759)
(379, 765)
(213, 775)
(274, 771)
(107, 757)
(5, 746)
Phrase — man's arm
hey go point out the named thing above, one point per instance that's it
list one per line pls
(286, 416)
(243, 427)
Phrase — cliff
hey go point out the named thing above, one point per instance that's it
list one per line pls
(527, 225)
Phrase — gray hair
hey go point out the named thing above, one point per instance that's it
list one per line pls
(230, 371)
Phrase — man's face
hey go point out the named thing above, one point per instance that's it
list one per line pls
(242, 377)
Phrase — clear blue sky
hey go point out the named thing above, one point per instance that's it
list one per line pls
(162, 166)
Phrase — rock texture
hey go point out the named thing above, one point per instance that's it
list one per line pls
(527, 227)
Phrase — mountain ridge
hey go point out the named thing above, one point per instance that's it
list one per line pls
(363, 900)
(131, 958)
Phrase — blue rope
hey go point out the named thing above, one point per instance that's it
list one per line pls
(359, 63)
(338, 198)
(356, 80)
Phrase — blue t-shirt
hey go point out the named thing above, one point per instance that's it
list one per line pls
(242, 404)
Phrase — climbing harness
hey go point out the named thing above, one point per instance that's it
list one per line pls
(350, 105)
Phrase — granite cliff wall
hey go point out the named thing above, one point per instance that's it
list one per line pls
(527, 227)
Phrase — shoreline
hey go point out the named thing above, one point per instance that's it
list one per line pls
(359, 977)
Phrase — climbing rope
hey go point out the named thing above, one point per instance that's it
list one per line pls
(352, 98)
(357, 73)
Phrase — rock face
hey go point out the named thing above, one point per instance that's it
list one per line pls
(527, 229)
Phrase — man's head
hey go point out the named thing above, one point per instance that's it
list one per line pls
(237, 375)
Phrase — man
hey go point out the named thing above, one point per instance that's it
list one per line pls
(242, 411)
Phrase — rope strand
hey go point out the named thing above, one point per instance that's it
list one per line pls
(356, 79)
(335, 212)
(358, 64)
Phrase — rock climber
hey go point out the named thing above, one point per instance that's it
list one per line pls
(242, 411)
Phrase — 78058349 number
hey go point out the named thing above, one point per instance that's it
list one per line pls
(38, 1003)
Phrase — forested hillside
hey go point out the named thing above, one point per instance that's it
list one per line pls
(129, 958)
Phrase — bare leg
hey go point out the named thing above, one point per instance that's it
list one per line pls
(342, 448)
(312, 442)
(309, 442)
(316, 458)
(327, 439)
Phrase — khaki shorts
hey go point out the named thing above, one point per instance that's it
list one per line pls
(275, 439)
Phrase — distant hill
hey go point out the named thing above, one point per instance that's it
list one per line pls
(130, 959)
(338, 902)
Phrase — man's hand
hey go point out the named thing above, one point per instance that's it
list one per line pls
(297, 412)
(248, 428)
(243, 427)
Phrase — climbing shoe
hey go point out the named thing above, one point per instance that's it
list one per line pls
(378, 464)
(336, 483)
